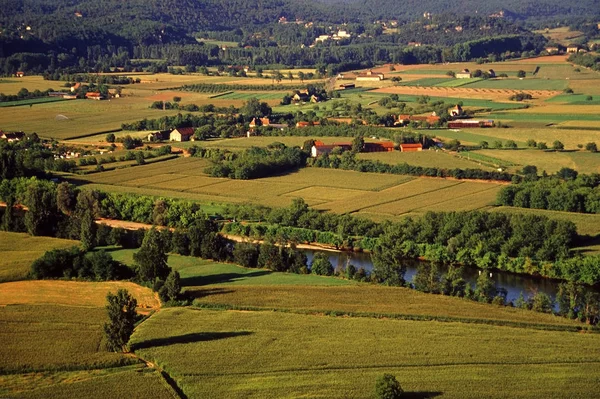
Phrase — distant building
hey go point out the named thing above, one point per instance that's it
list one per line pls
(573, 48)
(370, 76)
(75, 87)
(182, 134)
(319, 148)
(552, 50)
(94, 95)
(470, 124)
(20, 74)
(464, 74)
(347, 86)
(403, 120)
(159, 136)
(456, 111)
(12, 136)
(385, 146)
(302, 124)
(411, 147)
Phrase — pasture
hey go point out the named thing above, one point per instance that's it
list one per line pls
(341, 357)
(334, 190)
(19, 250)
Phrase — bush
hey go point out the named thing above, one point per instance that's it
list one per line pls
(321, 265)
(387, 387)
(592, 147)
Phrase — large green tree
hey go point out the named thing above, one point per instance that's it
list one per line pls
(388, 387)
(121, 320)
(151, 259)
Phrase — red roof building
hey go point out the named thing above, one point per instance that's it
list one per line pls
(411, 147)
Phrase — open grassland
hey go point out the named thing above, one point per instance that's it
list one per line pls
(563, 35)
(19, 250)
(574, 99)
(122, 382)
(519, 84)
(72, 293)
(550, 161)
(436, 159)
(31, 83)
(67, 119)
(466, 92)
(544, 118)
(31, 101)
(336, 351)
(54, 338)
(242, 143)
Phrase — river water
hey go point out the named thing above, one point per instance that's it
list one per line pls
(514, 284)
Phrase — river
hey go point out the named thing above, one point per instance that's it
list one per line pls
(514, 284)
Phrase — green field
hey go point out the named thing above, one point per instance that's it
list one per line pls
(574, 99)
(518, 84)
(270, 95)
(426, 82)
(550, 161)
(458, 82)
(341, 357)
(432, 158)
(19, 250)
(30, 101)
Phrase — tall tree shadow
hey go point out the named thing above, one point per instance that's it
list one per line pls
(204, 292)
(188, 339)
(196, 281)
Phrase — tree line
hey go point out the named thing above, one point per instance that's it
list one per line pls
(568, 192)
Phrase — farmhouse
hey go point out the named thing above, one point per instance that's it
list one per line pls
(402, 120)
(456, 111)
(470, 123)
(159, 136)
(385, 146)
(259, 122)
(411, 147)
(94, 95)
(370, 76)
(182, 134)
(464, 74)
(12, 136)
(20, 74)
(319, 148)
(552, 50)
(573, 48)
(302, 124)
(75, 87)
(347, 86)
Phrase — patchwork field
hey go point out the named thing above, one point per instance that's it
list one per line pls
(550, 161)
(436, 159)
(19, 250)
(338, 191)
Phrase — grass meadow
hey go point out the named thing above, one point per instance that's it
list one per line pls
(19, 250)
(437, 159)
(341, 357)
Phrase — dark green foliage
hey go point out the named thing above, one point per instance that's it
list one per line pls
(258, 162)
(75, 263)
(246, 254)
(485, 289)
(151, 259)
(566, 191)
(121, 314)
(388, 387)
(171, 288)
(321, 265)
